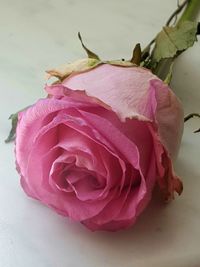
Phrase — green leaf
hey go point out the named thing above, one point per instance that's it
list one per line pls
(14, 121)
(89, 52)
(171, 41)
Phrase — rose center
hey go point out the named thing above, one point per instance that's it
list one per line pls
(83, 183)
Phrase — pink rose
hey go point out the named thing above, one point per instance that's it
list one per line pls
(94, 149)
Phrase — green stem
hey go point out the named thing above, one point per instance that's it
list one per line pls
(191, 11)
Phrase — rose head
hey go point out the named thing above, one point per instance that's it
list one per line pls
(95, 148)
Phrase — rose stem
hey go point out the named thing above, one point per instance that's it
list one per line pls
(191, 115)
(191, 11)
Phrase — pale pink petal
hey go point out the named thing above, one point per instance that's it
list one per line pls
(125, 90)
(135, 92)
(169, 117)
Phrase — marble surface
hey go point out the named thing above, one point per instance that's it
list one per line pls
(36, 35)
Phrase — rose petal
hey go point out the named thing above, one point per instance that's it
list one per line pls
(169, 117)
(167, 180)
(122, 84)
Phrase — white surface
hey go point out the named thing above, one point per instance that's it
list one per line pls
(36, 35)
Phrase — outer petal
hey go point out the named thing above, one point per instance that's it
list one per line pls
(167, 180)
(125, 90)
(135, 92)
(169, 117)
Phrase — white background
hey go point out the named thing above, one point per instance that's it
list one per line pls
(40, 34)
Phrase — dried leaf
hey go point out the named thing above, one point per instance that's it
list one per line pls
(171, 41)
(137, 55)
(78, 66)
(122, 63)
(89, 52)
(14, 120)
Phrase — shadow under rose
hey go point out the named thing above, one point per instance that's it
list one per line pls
(154, 231)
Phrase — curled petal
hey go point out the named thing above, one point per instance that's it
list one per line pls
(167, 180)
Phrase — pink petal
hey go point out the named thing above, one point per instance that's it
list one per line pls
(135, 92)
(167, 180)
(169, 117)
(116, 86)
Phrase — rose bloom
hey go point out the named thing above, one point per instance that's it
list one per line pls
(95, 148)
